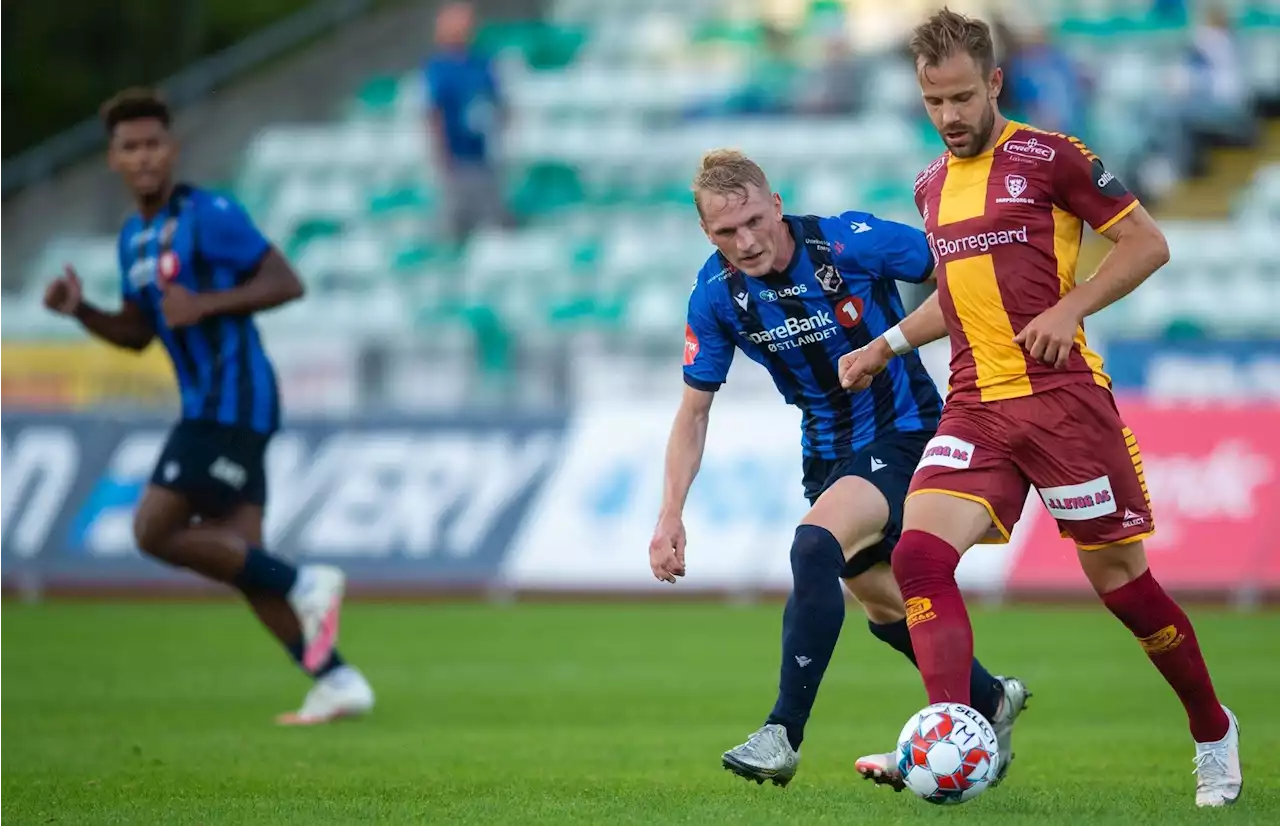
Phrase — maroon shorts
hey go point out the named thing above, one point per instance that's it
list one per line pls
(1069, 442)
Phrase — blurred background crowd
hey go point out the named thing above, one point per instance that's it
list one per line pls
(489, 202)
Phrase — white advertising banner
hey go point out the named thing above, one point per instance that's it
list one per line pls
(590, 526)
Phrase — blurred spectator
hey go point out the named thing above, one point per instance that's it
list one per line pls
(770, 84)
(1043, 86)
(835, 86)
(465, 113)
(1211, 102)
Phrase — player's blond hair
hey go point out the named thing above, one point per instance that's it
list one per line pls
(947, 33)
(727, 172)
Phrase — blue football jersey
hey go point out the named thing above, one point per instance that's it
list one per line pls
(835, 295)
(205, 242)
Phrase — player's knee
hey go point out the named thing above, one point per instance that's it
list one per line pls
(921, 557)
(1113, 567)
(815, 549)
(151, 533)
(877, 592)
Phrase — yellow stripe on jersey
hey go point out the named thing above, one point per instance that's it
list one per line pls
(964, 192)
(1067, 229)
(1001, 366)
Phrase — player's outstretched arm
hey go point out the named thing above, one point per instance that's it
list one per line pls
(273, 284)
(128, 328)
(925, 324)
(684, 457)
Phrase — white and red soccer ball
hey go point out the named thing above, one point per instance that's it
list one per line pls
(947, 753)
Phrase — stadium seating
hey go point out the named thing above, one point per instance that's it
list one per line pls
(598, 159)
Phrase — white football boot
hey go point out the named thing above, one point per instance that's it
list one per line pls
(767, 755)
(316, 599)
(1218, 777)
(1012, 703)
(882, 769)
(343, 692)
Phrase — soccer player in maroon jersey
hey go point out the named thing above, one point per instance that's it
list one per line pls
(1004, 209)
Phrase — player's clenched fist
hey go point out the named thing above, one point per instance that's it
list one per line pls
(64, 293)
(859, 368)
(1050, 336)
(666, 549)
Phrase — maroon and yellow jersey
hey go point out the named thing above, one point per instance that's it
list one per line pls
(1005, 228)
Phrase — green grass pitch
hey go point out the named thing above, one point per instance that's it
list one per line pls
(584, 713)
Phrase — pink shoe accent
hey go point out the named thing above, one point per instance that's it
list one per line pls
(317, 653)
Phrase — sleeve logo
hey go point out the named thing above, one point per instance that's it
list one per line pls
(1106, 183)
(691, 346)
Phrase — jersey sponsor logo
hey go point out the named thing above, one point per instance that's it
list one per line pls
(232, 474)
(1162, 641)
(1030, 148)
(930, 171)
(721, 276)
(1106, 183)
(947, 451)
(168, 230)
(849, 311)
(796, 332)
(142, 272)
(977, 242)
(1015, 185)
(828, 278)
(787, 292)
(691, 346)
(1080, 502)
(819, 243)
(919, 609)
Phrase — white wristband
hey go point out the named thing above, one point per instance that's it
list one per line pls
(897, 341)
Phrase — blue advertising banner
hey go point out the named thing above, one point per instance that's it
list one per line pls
(1196, 371)
(392, 501)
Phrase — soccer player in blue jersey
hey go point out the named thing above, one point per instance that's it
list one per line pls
(795, 294)
(194, 270)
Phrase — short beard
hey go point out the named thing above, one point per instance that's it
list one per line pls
(981, 135)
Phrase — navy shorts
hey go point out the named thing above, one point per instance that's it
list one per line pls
(216, 467)
(888, 463)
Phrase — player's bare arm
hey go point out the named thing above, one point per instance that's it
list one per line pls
(1139, 250)
(128, 328)
(923, 325)
(273, 284)
(684, 457)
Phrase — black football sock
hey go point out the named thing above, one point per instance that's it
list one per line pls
(266, 573)
(985, 690)
(810, 626)
(334, 662)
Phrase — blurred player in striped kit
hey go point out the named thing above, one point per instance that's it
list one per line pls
(194, 271)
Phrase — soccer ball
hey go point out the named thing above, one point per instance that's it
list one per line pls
(947, 753)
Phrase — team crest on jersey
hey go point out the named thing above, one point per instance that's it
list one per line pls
(168, 266)
(1015, 184)
(829, 278)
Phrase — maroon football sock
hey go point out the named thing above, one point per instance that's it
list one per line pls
(1166, 635)
(925, 567)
